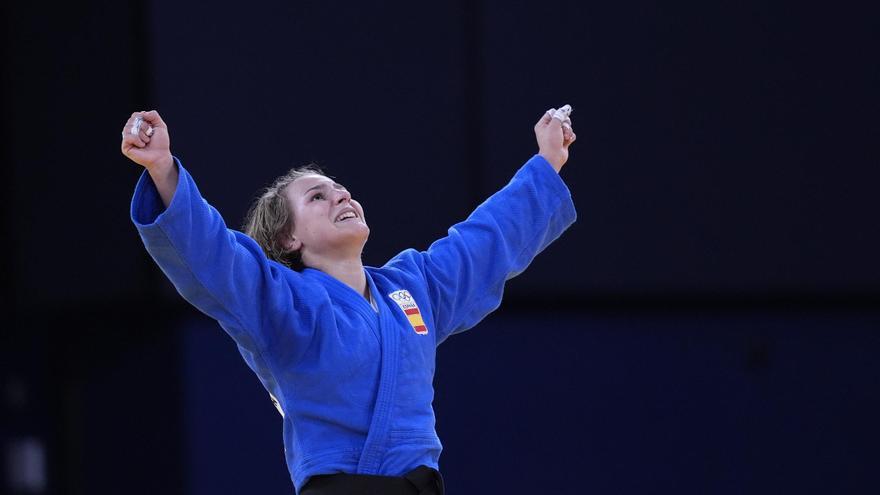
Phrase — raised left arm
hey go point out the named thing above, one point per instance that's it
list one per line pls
(466, 271)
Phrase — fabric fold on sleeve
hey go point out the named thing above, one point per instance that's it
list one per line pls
(466, 270)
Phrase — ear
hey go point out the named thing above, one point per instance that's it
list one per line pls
(291, 243)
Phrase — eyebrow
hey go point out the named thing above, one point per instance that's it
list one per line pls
(323, 185)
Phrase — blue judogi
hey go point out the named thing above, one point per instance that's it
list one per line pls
(354, 384)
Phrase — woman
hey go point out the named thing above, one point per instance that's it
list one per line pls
(346, 351)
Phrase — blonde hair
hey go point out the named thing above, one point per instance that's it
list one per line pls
(269, 219)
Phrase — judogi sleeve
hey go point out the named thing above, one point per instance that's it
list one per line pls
(222, 272)
(466, 270)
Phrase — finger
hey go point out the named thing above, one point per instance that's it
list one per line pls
(133, 153)
(562, 113)
(567, 131)
(132, 139)
(134, 123)
(554, 121)
(145, 132)
(152, 118)
(130, 150)
(545, 119)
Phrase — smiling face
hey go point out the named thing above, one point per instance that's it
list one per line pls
(326, 221)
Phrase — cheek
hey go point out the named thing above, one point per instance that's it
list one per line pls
(360, 209)
(305, 220)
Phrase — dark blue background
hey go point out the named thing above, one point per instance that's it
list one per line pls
(711, 324)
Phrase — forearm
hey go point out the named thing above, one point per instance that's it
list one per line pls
(165, 176)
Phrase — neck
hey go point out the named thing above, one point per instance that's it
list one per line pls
(348, 271)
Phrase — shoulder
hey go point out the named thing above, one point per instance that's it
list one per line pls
(406, 265)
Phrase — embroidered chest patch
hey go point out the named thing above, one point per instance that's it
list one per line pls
(410, 309)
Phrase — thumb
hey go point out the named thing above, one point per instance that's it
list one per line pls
(152, 117)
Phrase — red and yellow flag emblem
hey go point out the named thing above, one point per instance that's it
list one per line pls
(410, 309)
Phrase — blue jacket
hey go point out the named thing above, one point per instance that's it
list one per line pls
(354, 385)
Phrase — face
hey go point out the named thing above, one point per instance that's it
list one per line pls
(326, 220)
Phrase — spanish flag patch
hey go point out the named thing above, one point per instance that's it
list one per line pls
(410, 309)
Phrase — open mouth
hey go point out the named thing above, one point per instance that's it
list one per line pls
(345, 216)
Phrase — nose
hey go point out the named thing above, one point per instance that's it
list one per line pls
(342, 196)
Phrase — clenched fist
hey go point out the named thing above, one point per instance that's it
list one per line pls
(554, 135)
(145, 141)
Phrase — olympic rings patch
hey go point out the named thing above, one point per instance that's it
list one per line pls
(408, 305)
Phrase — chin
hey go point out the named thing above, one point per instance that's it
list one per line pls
(358, 232)
(365, 232)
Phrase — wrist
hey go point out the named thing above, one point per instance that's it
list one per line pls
(162, 165)
(162, 168)
(555, 160)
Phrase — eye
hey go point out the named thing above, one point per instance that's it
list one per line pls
(317, 196)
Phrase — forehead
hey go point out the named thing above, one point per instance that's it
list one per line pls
(304, 184)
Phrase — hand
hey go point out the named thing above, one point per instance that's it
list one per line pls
(150, 146)
(554, 137)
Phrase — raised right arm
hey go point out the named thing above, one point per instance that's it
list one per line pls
(222, 272)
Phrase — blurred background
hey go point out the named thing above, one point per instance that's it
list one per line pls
(711, 323)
